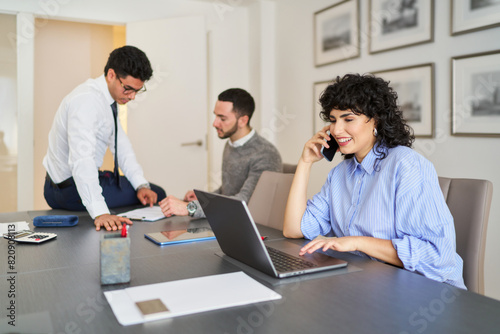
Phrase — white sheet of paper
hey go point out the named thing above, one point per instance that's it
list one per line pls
(189, 296)
(148, 213)
(19, 226)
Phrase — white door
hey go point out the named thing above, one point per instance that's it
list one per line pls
(167, 125)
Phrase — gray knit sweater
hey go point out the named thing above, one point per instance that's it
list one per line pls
(242, 167)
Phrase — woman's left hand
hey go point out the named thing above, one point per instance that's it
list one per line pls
(344, 244)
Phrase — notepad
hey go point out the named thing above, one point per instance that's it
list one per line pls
(148, 214)
(185, 297)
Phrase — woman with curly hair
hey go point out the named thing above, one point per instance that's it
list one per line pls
(383, 201)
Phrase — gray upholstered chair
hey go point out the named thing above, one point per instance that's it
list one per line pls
(289, 168)
(268, 201)
(469, 201)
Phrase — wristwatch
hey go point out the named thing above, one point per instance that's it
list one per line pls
(191, 207)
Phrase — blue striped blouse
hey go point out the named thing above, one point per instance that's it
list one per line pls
(397, 198)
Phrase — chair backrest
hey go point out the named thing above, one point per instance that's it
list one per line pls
(469, 201)
(289, 168)
(268, 201)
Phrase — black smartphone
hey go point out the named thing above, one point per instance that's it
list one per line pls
(329, 153)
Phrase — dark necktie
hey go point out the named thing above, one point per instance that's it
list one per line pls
(115, 116)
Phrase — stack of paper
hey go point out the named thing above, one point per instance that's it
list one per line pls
(170, 299)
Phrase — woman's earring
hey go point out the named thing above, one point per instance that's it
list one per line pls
(375, 132)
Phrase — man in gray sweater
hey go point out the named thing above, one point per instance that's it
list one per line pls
(246, 154)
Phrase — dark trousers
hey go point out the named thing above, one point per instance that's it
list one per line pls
(65, 195)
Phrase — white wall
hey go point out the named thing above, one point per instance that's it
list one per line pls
(229, 67)
(112, 11)
(452, 156)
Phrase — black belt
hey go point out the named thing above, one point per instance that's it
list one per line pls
(64, 184)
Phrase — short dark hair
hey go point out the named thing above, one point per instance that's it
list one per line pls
(374, 98)
(243, 103)
(129, 60)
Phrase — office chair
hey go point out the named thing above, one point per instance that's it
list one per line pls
(289, 168)
(469, 201)
(268, 201)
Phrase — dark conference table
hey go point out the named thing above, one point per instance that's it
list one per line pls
(57, 290)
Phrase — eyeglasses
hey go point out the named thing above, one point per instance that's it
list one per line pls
(127, 89)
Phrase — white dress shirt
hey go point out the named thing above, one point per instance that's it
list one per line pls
(82, 130)
(243, 140)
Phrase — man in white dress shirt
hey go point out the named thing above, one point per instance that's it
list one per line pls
(84, 127)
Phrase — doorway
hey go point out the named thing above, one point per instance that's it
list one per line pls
(66, 54)
(8, 115)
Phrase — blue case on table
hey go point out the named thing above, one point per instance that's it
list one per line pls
(55, 221)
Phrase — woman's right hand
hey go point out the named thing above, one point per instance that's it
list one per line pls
(312, 149)
(297, 196)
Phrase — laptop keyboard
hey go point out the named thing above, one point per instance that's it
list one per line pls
(286, 262)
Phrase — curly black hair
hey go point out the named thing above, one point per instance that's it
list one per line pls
(129, 60)
(374, 98)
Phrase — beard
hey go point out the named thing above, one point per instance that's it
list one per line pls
(228, 133)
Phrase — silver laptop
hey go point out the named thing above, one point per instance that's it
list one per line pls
(239, 239)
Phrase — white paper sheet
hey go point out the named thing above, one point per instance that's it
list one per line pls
(19, 226)
(148, 214)
(189, 296)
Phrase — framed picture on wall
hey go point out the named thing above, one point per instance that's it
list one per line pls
(318, 88)
(395, 24)
(473, 15)
(475, 96)
(415, 88)
(336, 33)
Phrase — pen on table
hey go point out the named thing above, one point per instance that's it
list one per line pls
(140, 219)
